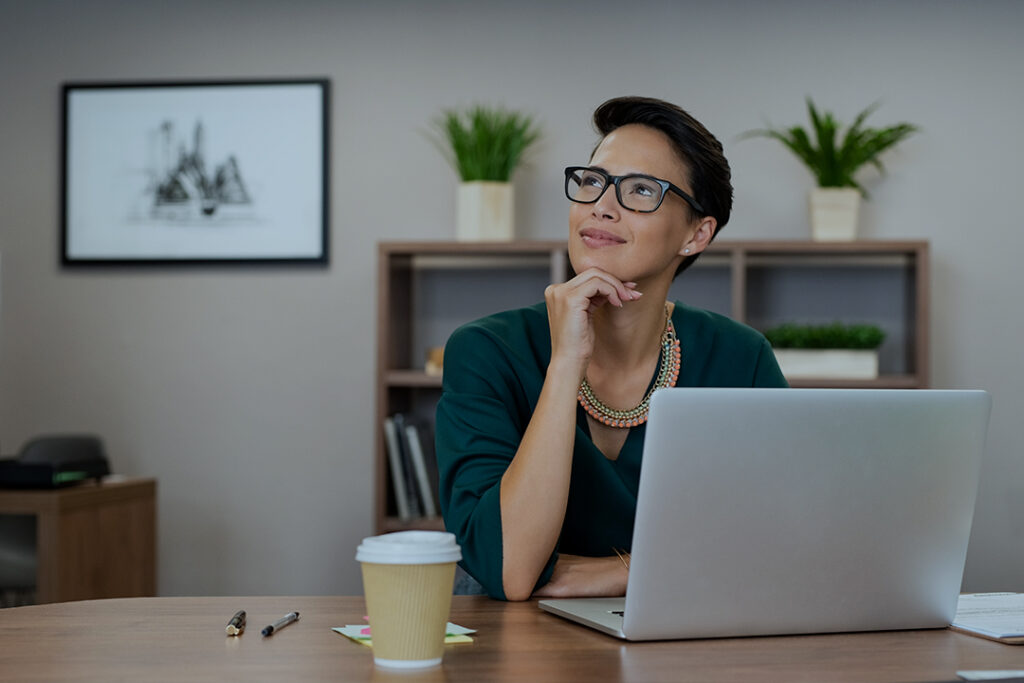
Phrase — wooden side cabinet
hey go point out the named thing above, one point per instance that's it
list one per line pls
(427, 289)
(93, 540)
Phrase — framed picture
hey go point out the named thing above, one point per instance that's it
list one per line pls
(196, 172)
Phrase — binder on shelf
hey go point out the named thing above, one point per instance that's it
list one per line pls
(425, 430)
(412, 495)
(420, 468)
(393, 442)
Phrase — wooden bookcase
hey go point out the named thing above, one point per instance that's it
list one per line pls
(427, 289)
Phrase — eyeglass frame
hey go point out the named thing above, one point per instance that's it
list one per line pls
(610, 180)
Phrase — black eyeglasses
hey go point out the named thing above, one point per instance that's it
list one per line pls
(636, 192)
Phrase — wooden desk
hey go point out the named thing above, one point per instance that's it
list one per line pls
(179, 639)
(93, 540)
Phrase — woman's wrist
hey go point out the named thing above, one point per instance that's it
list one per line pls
(576, 577)
(567, 369)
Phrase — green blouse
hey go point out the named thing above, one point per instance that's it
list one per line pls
(493, 373)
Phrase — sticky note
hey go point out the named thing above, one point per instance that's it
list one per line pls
(360, 633)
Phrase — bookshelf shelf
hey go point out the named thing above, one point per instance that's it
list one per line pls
(427, 289)
(883, 382)
(391, 523)
(411, 378)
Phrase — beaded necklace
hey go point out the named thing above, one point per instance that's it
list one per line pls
(668, 372)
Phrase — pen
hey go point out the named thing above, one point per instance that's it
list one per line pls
(280, 623)
(237, 623)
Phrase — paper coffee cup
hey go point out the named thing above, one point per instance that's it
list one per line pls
(407, 581)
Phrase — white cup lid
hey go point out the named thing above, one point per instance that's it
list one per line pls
(410, 547)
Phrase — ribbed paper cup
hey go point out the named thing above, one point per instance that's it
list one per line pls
(407, 581)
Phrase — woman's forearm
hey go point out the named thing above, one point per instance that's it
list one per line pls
(535, 488)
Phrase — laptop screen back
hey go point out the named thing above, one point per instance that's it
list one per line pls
(770, 511)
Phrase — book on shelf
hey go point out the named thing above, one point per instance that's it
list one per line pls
(419, 463)
(412, 466)
(397, 471)
(412, 494)
(403, 478)
(425, 431)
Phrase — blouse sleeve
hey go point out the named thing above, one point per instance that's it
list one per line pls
(481, 418)
(767, 373)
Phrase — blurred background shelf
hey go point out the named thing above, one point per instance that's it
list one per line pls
(411, 378)
(389, 524)
(426, 290)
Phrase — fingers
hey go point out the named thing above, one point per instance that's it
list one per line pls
(614, 290)
(571, 306)
(600, 288)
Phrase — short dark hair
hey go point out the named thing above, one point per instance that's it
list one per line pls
(700, 151)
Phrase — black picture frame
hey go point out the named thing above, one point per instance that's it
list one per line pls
(195, 172)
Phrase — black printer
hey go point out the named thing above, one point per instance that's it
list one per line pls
(53, 461)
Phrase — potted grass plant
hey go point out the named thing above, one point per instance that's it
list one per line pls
(834, 161)
(835, 350)
(485, 146)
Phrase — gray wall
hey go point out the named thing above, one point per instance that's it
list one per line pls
(249, 393)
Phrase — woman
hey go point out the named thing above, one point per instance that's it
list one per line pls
(541, 423)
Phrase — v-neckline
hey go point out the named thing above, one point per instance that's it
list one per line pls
(583, 420)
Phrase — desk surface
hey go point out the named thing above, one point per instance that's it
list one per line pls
(176, 639)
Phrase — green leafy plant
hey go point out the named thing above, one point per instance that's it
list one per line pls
(483, 143)
(833, 162)
(832, 336)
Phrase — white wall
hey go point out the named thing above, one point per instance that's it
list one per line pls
(249, 393)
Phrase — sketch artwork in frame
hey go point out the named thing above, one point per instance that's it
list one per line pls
(197, 172)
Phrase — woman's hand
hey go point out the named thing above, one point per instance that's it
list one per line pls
(570, 306)
(586, 577)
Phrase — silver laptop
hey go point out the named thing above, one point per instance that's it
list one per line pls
(784, 511)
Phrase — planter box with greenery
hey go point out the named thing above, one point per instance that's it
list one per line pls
(834, 351)
(835, 203)
(485, 146)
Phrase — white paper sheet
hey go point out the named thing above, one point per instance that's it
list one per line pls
(998, 615)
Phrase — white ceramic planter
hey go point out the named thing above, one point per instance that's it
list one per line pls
(834, 213)
(485, 212)
(828, 363)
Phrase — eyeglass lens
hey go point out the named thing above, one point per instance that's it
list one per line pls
(634, 192)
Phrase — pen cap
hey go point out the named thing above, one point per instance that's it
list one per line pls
(410, 547)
